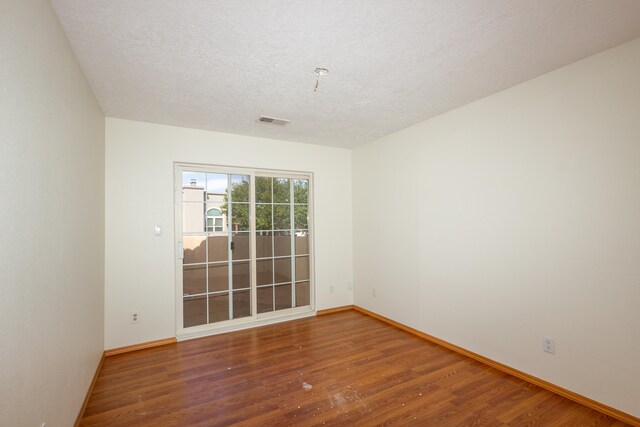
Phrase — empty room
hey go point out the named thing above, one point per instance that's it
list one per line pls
(356, 212)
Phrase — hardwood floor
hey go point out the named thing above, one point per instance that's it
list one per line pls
(341, 369)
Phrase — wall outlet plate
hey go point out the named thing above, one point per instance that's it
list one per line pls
(548, 345)
(134, 317)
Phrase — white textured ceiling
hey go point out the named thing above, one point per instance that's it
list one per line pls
(218, 65)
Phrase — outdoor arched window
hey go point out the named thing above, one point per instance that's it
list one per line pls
(214, 220)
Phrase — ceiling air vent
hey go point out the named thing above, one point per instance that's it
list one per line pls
(273, 120)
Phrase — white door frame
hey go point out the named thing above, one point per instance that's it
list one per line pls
(255, 319)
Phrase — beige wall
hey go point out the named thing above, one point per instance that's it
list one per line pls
(52, 221)
(140, 268)
(511, 218)
(516, 217)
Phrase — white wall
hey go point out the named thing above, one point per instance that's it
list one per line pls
(139, 193)
(52, 221)
(515, 217)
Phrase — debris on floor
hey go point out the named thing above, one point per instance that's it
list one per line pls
(306, 386)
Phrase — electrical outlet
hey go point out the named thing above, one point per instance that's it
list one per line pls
(548, 345)
(134, 317)
(350, 285)
(331, 289)
(373, 292)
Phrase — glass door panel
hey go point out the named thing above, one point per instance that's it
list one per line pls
(282, 243)
(302, 289)
(219, 307)
(194, 311)
(217, 249)
(283, 296)
(215, 233)
(240, 241)
(194, 279)
(241, 304)
(282, 222)
(265, 299)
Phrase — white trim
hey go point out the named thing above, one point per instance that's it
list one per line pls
(292, 243)
(179, 255)
(253, 269)
(235, 170)
(284, 312)
(242, 323)
(312, 242)
(229, 260)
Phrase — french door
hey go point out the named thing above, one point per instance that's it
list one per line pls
(244, 247)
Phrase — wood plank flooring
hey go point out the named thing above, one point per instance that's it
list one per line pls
(341, 369)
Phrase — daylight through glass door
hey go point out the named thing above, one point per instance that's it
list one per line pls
(282, 243)
(216, 280)
(224, 277)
